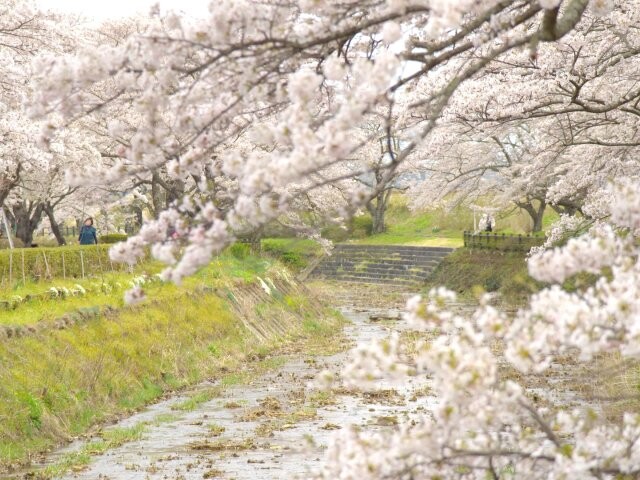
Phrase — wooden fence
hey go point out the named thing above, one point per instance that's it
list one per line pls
(501, 241)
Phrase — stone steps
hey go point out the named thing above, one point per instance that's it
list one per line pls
(395, 282)
(370, 263)
(367, 258)
(385, 264)
(405, 269)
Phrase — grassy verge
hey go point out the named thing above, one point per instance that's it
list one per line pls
(56, 384)
(296, 253)
(439, 227)
(466, 271)
(50, 300)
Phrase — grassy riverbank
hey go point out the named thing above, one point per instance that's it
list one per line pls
(62, 378)
(295, 253)
(468, 271)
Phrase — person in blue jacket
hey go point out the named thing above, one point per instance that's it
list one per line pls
(88, 233)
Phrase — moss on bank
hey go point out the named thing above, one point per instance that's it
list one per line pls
(466, 271)
(57, 383)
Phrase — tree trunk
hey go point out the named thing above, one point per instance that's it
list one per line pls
(536, 214)
(55, 228)
(378, 220)
(537, 222)
(175, 192)
(138, 213)
(27, 217)
(157, 197)
(377, 207)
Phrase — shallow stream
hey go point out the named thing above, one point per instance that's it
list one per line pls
(275, 427)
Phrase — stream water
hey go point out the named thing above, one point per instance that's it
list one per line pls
(268, 429)
(275, 427)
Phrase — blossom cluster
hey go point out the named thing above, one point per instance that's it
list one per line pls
(486, 421)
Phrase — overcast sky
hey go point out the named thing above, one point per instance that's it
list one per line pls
(102, 9)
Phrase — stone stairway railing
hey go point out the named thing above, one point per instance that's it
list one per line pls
(387, 264)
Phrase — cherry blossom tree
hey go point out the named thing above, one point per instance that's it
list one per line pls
(197, 85)
(527, 164)
(25, 167)
(487, 421)
(265, 95)
(551, 124)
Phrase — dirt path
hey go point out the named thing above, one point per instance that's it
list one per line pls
(274, 428)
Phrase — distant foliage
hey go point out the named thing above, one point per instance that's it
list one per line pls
(362, 224)
(240, 250)
(112, 238)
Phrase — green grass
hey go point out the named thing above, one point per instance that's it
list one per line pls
(296, 253)
(442, 228)
(58, 383)
(108, 289)
(45, 307)
(111, 438)
(467, 272)
(62, 382)
(197, 399)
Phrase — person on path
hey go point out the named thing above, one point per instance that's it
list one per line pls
(88, 233)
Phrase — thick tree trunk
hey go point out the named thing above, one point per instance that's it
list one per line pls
(537, 222)
(24, 232)
(378, 225)
(536, 214)
(55, 228)
(27, 217)
(377, 207)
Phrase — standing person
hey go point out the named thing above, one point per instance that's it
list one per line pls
(491, 223)
(88, 233)
(489, 227)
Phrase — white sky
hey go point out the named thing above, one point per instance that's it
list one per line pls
(103, 9)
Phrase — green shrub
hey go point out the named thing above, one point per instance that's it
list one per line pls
(294, 260)
(240, 250)
(492, 283)
(112, 238)
(291, 258)
(359, 227)
(362, 225)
